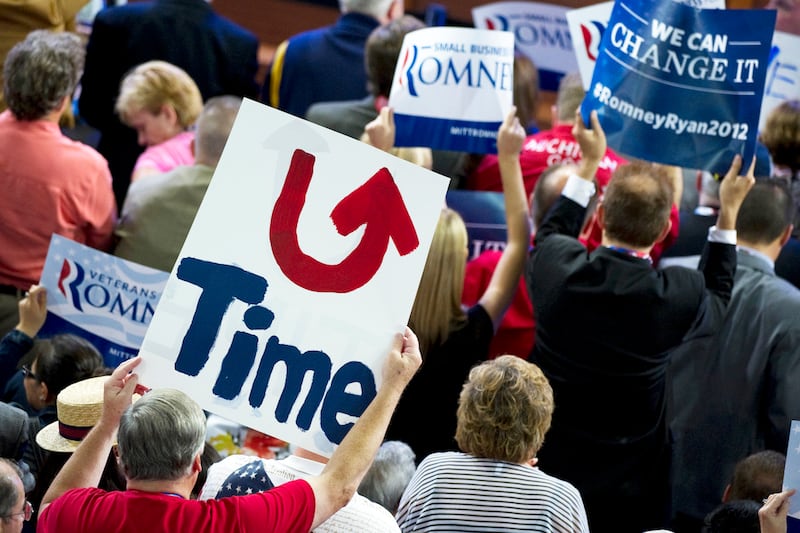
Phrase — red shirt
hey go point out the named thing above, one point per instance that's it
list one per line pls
(542, 149)
(287, 508)
(51, 184)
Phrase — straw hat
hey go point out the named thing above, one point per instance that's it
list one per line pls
(79, 407)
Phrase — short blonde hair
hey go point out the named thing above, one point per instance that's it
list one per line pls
(155, 83)
(504, 410)
(437, 308)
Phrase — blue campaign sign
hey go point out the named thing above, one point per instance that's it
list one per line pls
(678, 85)
(484, 216)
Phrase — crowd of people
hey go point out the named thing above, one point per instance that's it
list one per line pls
(625, 364)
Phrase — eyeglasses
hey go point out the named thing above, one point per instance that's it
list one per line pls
(26, 513)
(28, 373)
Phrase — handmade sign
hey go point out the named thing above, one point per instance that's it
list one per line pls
(107, 300)
(452, 88)
(679, 85)
(302, 263)
(540, 32)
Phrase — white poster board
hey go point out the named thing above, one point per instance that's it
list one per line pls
(301, 265)
(783, 74)
(540, 32)
(452, 88)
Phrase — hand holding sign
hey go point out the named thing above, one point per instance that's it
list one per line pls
(381, 130)
(732, 192)
(592, 142)
(403, 361)
(772, 515)
(33, 311)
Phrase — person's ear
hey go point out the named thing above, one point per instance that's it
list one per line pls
(601, 215)
(553, 115)
(726, 494)
(665, 231)
(197, 464)
(787, 234)
(169, 114)
(43, 392)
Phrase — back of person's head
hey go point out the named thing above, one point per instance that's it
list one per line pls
(213, 128)
(64, 359)
(437, 307)
(382, 50)
(374, 8)
(569, 97)
(151, 85)
(526, 89)
(781, 135)
(160, 435)
(547, 190)
(504, 410)
(387, 478)
(757, 476)
(766, 212)
(40, 71)
(637, 204)
(11, 491)
(736, 516)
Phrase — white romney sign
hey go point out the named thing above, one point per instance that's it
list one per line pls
(301, 265)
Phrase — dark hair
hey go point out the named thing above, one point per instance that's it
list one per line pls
(757, 476)
(737, 516)
(637, 204)
(765, 212)
(382, 49)
(209, 456)
(64, 359)
(526, 89)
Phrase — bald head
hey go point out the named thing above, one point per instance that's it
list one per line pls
(547, 190)
(213, 127)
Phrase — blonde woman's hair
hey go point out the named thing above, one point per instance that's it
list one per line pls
(155, 83)
(504, 410)
(437, 308)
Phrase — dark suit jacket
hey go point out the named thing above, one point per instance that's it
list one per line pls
(735, 393)
(220, 56)
(605, 323)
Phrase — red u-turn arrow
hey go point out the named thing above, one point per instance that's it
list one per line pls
(377, 204)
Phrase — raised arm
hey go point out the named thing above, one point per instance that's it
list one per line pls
(16, 343)
(567, 216)
(718, 262)
(498, 295)
(338, 482)
(85, 467)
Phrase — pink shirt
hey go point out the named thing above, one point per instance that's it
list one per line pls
(50, 184)
(165, 156)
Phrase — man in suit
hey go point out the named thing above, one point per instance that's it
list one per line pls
(326, 64)
(742, 381)
(220, 57)
(605, 321)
